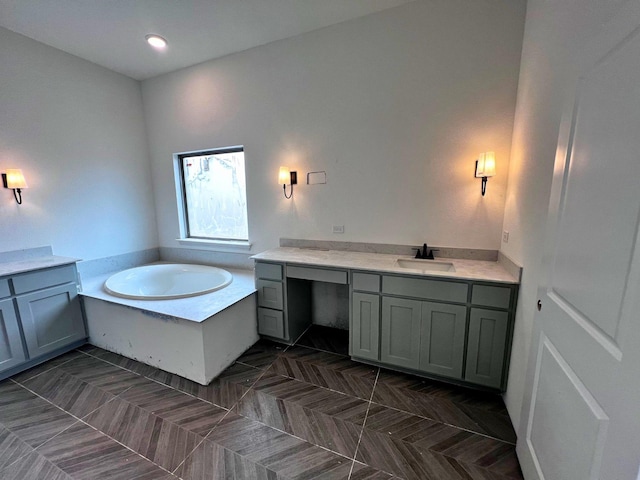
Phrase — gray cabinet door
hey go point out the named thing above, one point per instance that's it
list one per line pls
(51, 318)
(365, 326)
(486, 347)
(442, 332)
(270, 322)
(11, 350)
(400, 333)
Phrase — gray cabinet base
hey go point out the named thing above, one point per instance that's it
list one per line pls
(41, 359)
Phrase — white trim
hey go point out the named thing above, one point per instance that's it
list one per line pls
(216, 244)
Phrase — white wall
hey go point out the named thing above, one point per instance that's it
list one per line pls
(394, 107)
(554, 33)
(77, 131)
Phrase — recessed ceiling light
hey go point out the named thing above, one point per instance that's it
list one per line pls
(156, 41)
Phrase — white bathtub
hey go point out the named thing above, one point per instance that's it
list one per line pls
(167, 281)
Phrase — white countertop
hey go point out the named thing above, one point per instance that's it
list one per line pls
(387, 263)
(196, 309)
(27, 265)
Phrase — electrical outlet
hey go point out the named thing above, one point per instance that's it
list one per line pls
(505, 236)
(338, 229)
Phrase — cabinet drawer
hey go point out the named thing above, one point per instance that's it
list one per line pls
(366, 282)
(427, 289)
(270, 322)
(4, 288)
(28, 282)
(269, 294)
(317, 274)
(268, 270)
(488, 296)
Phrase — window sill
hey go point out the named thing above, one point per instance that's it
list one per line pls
(215, 244)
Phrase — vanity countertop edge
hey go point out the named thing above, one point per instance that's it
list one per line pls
(31, 264)
(478, 270)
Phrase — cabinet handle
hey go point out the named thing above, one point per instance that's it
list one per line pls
(539, 305)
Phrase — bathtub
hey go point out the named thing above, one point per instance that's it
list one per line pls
(167, 281)
(196, 335)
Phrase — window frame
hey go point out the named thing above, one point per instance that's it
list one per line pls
(183, 207)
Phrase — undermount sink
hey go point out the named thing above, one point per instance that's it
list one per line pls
(426, 265)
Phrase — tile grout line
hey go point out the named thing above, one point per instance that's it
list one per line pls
(157, 381)
(43, 372)
(78, 420)
(81, 419)
(262, 373)
(447, 424)
(364, 423)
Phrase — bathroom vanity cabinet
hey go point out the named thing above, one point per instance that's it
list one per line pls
(40, 317)
(452, 329)
(458, 330)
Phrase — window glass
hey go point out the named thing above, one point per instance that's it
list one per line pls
(215, 194)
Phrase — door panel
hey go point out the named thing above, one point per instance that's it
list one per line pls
(51, 319)
(442, 333)
(581, 419)
(365, 326)
(486, 345)
(400, 342)
(11, 350)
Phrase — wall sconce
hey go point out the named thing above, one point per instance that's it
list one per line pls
(485, 168)
(13, 178)
(285, 177)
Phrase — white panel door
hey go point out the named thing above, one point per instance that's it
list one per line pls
(582, 419)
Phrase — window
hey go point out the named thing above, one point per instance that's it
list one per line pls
(214, 194)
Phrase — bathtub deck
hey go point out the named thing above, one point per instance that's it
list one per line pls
(195, 337)
(194, 309)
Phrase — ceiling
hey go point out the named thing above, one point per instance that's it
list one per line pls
(111, 32)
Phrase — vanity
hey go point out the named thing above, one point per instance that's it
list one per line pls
(450, 319)
(40, 312)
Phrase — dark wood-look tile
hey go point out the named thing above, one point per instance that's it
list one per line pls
(327, 370)
(462, 395)
(365, 472)
(156, 439)
(212, 462)
(320, 416)
(68, 392)
(401, 432)
(29, 417)
(33, 466)
(85, 453)
(101, 374)
(121, 361)
(186, 411)
(46, 366)
(11, 448)
(325, 338)
(225, 390)
(443, 410)
(262, 354)
(276, 451)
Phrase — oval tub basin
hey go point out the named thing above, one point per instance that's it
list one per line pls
(167, 281)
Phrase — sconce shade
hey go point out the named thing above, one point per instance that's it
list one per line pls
(284, 176)
(15, 178)
(486, 166)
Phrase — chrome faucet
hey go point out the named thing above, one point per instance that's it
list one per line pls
(425, 254)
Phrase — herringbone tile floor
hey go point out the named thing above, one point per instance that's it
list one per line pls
(300, 412)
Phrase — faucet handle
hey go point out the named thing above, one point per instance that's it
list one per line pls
(418, 253)
(430, 254)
